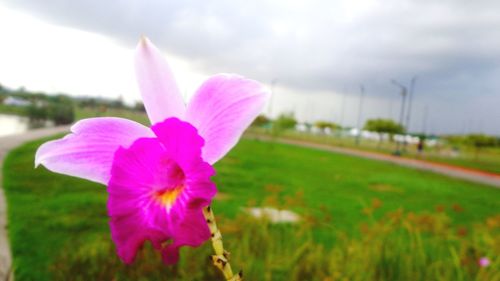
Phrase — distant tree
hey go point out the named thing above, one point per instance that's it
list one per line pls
(261, 121)
(285, 121)
(58, 108)
(456, 140)
(88, 102)
(62, 113)
(37, 113)
(118, 103)
(326, 125)
(139, 106)
(480, 141)
(61, 110)
(382, 126)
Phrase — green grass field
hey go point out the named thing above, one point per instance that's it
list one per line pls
(52, 215)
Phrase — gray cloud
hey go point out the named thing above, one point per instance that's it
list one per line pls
(453, 46)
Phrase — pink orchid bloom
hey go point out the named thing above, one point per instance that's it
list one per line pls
(158, 178)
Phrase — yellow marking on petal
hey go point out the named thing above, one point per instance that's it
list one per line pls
(167, 197)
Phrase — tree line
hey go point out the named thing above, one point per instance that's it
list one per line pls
(58, 108)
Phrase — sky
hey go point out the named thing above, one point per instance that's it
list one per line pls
(318, 53)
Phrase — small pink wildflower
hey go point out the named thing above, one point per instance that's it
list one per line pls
(484, 262)
(158, 178)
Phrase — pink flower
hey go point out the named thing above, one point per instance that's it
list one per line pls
(158, 178)
(484, 262)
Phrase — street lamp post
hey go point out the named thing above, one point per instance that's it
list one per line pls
(402, 114)
(411, 93)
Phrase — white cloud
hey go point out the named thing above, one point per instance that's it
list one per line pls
(54, 58)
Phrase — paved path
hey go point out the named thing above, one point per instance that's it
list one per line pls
(7, 143)
(448, 170)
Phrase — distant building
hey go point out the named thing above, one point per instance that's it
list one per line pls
(13, 101)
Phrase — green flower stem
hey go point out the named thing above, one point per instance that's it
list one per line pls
(221, 257)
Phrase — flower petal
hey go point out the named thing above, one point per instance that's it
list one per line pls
(89, 150)
(222, 108)
(134, 216)
(181, 139)
(159, 91)
(193, 231)
(151, 199)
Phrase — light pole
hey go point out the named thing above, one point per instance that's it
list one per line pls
(361, 97)
(402, 114)
(411, 93)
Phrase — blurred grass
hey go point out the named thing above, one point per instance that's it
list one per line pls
(58, 224)
(399, 246)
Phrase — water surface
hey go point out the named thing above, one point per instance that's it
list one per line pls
(13, 124)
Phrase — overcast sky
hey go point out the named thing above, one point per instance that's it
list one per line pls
(319, 52)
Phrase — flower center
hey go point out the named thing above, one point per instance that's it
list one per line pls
(172, 183)
(167, 197)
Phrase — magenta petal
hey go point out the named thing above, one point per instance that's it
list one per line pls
(180, 138)
(89, 150)
(159, 91)
(193, 232)
(157, 190)
(222, 108)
